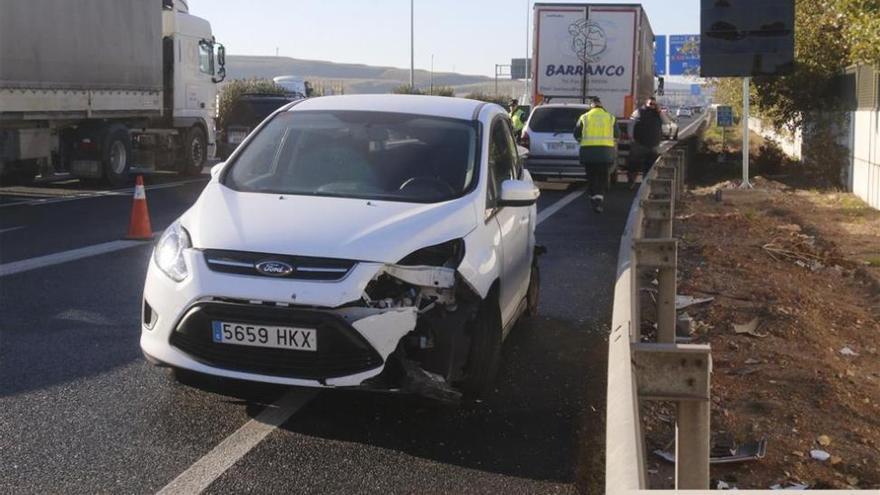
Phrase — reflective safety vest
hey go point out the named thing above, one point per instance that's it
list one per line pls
(516, 118)
(597, 128)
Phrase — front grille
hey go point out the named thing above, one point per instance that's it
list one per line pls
(341, 350)
(304, 267)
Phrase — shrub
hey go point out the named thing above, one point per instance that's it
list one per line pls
(233, 90)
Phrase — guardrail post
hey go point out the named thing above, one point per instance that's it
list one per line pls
(662, 255)
(681, 372)
(661, 189)
(692, 445)
(657, 217)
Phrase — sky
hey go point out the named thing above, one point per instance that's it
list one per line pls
(465, 36)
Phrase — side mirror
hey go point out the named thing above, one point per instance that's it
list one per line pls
(518, 193)
(221, 55)
(216, 169)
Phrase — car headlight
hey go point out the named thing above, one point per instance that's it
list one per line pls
(447, 254)
(168, 254)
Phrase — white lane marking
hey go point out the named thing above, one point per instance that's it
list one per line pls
(222, 457)
(97, 194)
(29, 264)
(555, 207)
(10, 229)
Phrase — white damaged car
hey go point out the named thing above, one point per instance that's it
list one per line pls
(382, 242)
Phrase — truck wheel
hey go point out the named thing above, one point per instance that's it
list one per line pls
(485, 351)
(195, 151)
(116, 155)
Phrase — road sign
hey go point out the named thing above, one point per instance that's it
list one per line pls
(747, 38)
(660, 55)
(695, 89)
(724, 116)
(520, 68)
(684, 55)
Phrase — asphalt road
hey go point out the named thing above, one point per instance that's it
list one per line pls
(82, 412)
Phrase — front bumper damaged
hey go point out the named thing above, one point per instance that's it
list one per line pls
(405, 334)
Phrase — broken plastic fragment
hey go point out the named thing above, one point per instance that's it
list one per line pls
(790, 486)
(749, 328)
(682, 302)
(846, 351)
(820, 455)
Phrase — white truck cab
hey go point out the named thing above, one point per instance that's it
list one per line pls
(132, 84)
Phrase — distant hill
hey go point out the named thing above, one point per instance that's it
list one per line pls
(356, 78)
(363, 79)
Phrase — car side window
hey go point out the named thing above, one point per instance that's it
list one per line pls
(502, 159)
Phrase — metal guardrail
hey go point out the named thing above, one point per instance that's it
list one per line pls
(660, 369)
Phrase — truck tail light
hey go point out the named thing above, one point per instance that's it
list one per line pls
(525, 140)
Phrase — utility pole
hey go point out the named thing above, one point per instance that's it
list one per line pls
(432, 74)
(412, 48)
(745, 129)
(528, 65)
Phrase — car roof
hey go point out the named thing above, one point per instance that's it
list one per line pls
(564, 105)
(437, 106)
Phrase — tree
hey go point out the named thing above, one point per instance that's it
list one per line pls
(233, 90)
(488, 98)
(406, 89)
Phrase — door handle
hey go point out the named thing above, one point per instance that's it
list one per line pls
(202, 104)
(524, 220)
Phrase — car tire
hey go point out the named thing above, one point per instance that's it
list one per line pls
(116, 155)
(194, 153)
(534, 291)
(485, 351)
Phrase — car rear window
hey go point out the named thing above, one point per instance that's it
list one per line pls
(251, 111)
(555, 119)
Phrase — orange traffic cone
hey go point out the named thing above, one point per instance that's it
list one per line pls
(139, 226)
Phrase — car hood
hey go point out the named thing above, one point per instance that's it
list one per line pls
(329, 227)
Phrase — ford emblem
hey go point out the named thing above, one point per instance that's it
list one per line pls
(274, 268)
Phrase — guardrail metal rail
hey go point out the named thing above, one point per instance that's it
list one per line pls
(661, 369)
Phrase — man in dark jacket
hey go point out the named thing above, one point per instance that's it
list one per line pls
(647, 134)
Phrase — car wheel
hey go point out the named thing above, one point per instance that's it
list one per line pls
(533, 291)
(194, 152)
(485, 351)
(116, 155)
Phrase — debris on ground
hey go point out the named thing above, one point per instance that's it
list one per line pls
(682, 302)
(749, 328)
(816, 370)
(846, 351)
(727, 454)
(820, 455)
(790, 486)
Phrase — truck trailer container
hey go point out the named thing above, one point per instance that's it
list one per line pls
(94, 87)
(584, 50)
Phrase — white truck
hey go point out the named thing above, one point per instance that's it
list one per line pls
(94, 87)
(584, 50)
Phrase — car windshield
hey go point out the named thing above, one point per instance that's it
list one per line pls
(359, 154)
(555, 120)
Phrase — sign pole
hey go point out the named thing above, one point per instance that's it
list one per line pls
(745, 126)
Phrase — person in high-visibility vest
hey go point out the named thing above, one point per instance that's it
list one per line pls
(596, 131)
(517, 117)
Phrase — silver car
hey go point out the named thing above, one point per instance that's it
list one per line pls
(553, 150)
